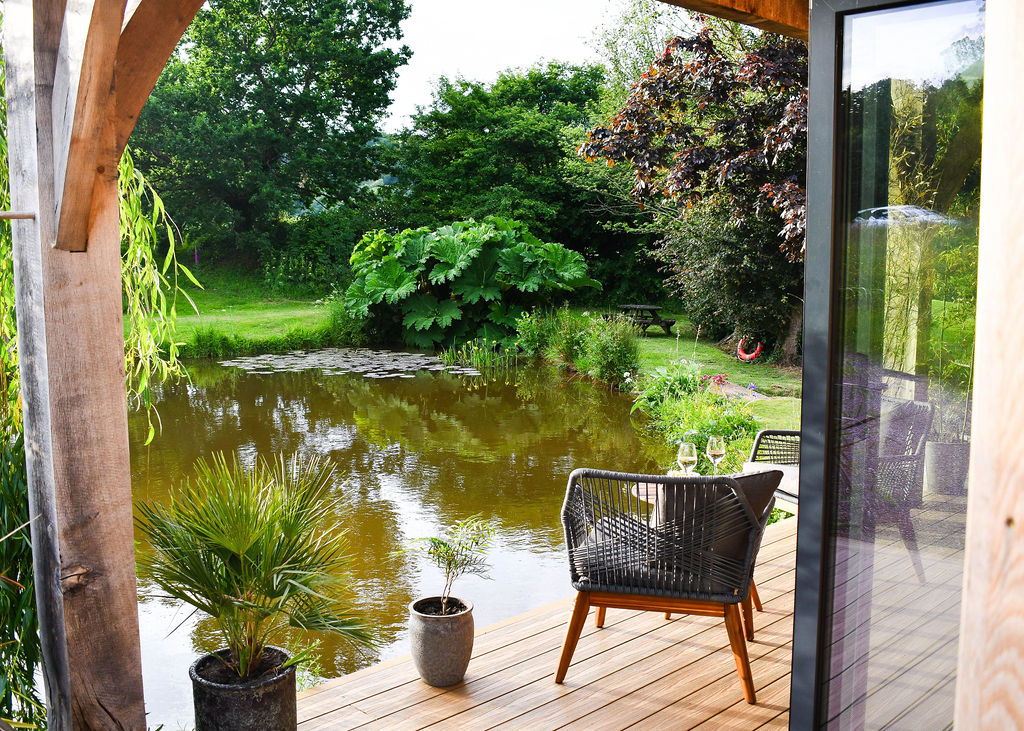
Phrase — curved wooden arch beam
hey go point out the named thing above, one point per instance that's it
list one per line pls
(148, 39)
(82, 92)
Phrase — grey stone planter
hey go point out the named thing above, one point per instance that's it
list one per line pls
(441, 645)
(266, 702)
(945, 467)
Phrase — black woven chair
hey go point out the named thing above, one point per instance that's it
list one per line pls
(773, 446)
(777, 446)
(685, 545)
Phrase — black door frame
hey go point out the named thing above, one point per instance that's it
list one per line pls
(822, 268)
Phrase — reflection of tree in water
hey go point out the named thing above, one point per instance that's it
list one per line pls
(435, 444)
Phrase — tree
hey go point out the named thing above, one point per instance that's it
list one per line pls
(494, 150)
(268, 106)
(720, 117)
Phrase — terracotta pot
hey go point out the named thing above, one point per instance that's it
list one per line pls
(441, 644)
(266, 702)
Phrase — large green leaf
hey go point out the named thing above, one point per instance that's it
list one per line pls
(426, 339)
(424, 311)
(478, 282)
(356, 301)
(454, 251)
(415, 248)
(563, 266)
(518, 267)
(505, 314)
(390, 281)
(370, 251)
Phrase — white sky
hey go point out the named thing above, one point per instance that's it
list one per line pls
(478, 39)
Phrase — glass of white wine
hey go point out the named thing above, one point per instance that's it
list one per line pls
(716, 451)
(687, 457)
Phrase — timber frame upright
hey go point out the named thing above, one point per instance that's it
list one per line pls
(78, 75)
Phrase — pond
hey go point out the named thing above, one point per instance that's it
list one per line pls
(414, 452)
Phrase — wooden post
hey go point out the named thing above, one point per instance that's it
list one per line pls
(32, 364)
(68, 123)
(990, 678)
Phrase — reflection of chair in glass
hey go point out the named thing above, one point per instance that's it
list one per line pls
(902, 429)
(689, 548)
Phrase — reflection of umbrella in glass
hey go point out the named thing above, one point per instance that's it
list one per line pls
(901, 215)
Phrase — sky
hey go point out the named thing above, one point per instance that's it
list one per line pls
(478, 39)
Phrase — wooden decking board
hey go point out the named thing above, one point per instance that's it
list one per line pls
(594, 706)
(387, 705)
(660, 699)
(510, 681)
(369, 682)
(942, 694)
(490, 681)
(584, 673)
(772, 701)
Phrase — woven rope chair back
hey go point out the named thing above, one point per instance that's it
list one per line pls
(685, 537)
(776, 446)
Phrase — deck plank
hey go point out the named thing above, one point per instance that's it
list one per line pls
(688, 675)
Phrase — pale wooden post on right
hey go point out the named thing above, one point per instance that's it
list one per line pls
(990, 674)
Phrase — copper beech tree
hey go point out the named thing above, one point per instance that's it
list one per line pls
(722, 116)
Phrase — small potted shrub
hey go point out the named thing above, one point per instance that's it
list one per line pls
(251, 548)
(441, 627)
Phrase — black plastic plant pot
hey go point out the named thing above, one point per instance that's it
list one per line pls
(266, 702)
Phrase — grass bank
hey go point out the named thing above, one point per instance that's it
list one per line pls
(238, 317)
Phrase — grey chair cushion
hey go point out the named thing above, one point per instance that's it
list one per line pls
(759, 489)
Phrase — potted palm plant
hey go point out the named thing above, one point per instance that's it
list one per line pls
(441, 627)
(253, 549)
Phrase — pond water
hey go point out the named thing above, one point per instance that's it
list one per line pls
(414, 453)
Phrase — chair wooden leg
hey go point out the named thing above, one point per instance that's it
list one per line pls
(755, 597)
(748, 619)
(599, 617)
(739, 651)
(668, 615)
(572, 634)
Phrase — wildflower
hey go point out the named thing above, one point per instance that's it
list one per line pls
(752, 386)
(626, 374)
(586, 314)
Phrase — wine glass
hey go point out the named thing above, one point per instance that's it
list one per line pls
(716, 452)
(687, 457)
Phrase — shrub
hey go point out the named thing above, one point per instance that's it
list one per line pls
(682, 407)
(676, 380)
(568, 337)
(461, 281)
(534, 331)
(605, 349)
(611, 351)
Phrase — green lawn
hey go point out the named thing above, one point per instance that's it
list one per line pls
(240, 306)
(658, 350)
(245, 317)
(782, 385)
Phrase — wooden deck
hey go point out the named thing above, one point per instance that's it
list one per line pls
(640, 670)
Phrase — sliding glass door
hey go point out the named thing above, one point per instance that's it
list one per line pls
(894, 234)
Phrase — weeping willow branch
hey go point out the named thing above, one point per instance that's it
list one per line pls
(150, 290)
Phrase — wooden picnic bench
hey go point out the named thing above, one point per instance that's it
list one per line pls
(643, 316)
